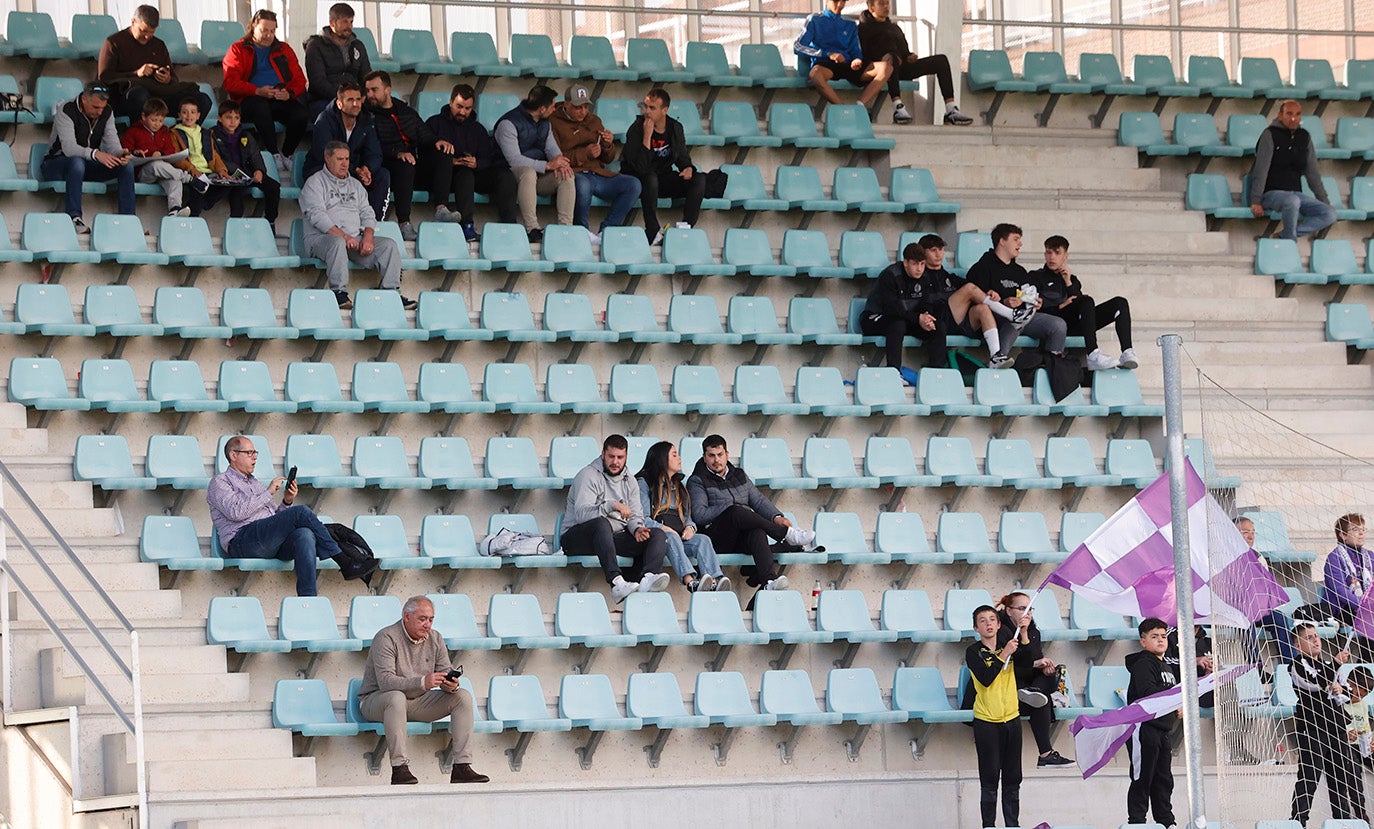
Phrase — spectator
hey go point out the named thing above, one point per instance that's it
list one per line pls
(1284, 157)
(249, 525)
(1322, 741)
(604, 515)
(589, 147)
(340, 227)
(85, 147)
(134, 65)
(150, 138)
(1358, 683)
(1152, 781)
(200, 154)
(346, 122)
(728, 508)
(1063, 296)
(406, 143)
(240, 153)
(663, 498)
(333, 56)
(1349, 571)
(475, 166)
(1004, 281)
(1037, 677)
(656, 153)
(525, 138)
(996, 719)
(969, 313)
(409, 678)
(262, 74)
(883, 40)
(831, 42)
(1275, 623)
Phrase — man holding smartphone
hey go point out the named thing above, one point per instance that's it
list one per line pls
(409, 678)
(475, 165)
(135, 64)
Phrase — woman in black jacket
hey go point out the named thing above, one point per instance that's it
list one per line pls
(1037, 677)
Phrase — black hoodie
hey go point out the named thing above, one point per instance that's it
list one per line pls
(879, 38)
(1150, 675)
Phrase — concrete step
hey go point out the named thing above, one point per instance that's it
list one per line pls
(56, 493)
(1012, 178)
(232, 774)
(110, 576)
(1073, 222)
(18, 441)
(154, 660)
(134, 604)
(1005, 152)
(72, 523)
(190, 689)
(221, 744)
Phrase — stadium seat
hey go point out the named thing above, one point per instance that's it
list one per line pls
(902, 536)
(1359, 76)
(990, 69)
(738, 124)
(617, 115)
(914, 189)
(304, 706)
(1156, 74)
(830, 463)
(455, 621)
(47, 309)
(444, 315)
(508, 316)
(627, 248)
(517, 620)
(688, 250)
(656, 699)
(507, 246)
(1100, 623)
(448, 541)
(381, 462)
(708, 61)
(573, 386)
(1356, 135)
(921, 693)
(1272, 541)
(475, 53)
(814, 317)
(569, 316)
(1210, 193)
(790, 696)
(176, 461)
(717, 616)
(636, 388)
(119, 238)
(1334, 259)
(104, 460)
(584, 619)
(760, 388)
(632, 317)
(1143, 131)
(762, 63)
(964, 535)
(318, 464)
(170, 541)
(1072, 460)
(1208, 75)
(38, 383)
(950, 459)
(307, 622)
(1106, 686)
(1013, 461)
(1000, 390)
(1317, 132)
(32, 35)
(517, 702)
(1119, 391)
(415, 50)
(314, 387)
(378, 313)
(851, 126)
(525, 523)
(512, 462)
(845, 614)
(315, 314)
(379, 387)
(781, 615)
(723, 698)
(808, 251)
(1133, 461)
(1200, 455)
(109, 385)
(187, 242)
(822, 389)
(942, 389)
(864, 252)
(650, 617)
(1261, 77)
(1075, 527)
(52, 237)
(250, 312)
(1072, 405)
(510, 386)
(445, 246)
(182, 311)
(648, 58)
(842, 536)
(959, 605)
(1045, 608)
(696, 319)
(569, 454)
(51, 92)
(908, 614)
(755, 320)
(854, 694)
(252, 243)
(1198, 133)
(569, 248)
(237, 622)
(749, 251)
(1103, 74)
(589, 703)
(883, 391)
(770, 464)
(446, 388)
(699, 388)
(795, 125)
(533, 55)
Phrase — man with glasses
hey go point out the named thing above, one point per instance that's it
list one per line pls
(85, 147)
(250, 525)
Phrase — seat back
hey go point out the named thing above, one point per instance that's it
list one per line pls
(919, 689)
(649, 614)
(780, 611)
(1158, 70)
(1260, 73)
(761, 61)
(490, 107)
(959, 606)
(242, 307)
(568, 454)
(533, 54)
(441, 383)
(1022, 533)
(249, 238)
(568, 383)
(811, 316)
(696, 385)
(582, 614)
(301, 702)
(821, 386)
(45, 233)
(900, 533)
(635, 384)
(852, 691)
(116, 233)
(848, 122)
(107, 381)
(1117, 387)
(1195, 131)
(950, 456)
(1131, 459)
(375, 383)
(1333, 256)
(412, 46)
(715, 613)
(310, 383)
(369, 614)
(787, 693)
(1098, 69)
(863, 250)
(828, 458)
(510, 615)
(584, 698)
(707, 59)
(1140, 129)
(838, 532)
(310, 310)
(175, 456)
(690, 314)
(565, 313)
(1075, 527)
(511, 458)
(1044, 68)
(1069, 458)
(758, 385)
(842, 611)
(647, 55)
(41, 304)
(733, 120)
(1106, 686)
(506, 313)
(1208, 191)
(516, 698)
(622, 246)
(36, 378)
(654, 695)
(745, 248)
(168, 537)
(805, 249)
(447, 536)
(962, 533)
(184, 237)
(507, 383)
(1355, 134)
(380, 456)
(307, 619)
(766, 458)
(235, 619)
(987, 67)
(1011, 459)
(617, 114)
(683, 247)
(722, 694)
(751, 316)
(102, 458)
(628, 313)
(314, 456)
(907, 610)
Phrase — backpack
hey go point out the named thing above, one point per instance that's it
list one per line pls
(966, 364)
(1064, 373)
(508, 542)
(715, 183)
(355, 558)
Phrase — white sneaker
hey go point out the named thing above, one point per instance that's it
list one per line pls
(722, 584)
(703, 583)
(900, 114)
(1097, 361)
(1031, 697)
(683, 225)
(621, 588)
(799, 537)
(654, 583)
(779, 583)
(594, 238)
(658, 239)
(1128, 359)
(283, 164)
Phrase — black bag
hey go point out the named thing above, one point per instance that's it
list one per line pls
(355, 557)
(1064, 373)
(966, 364)
(715, 183)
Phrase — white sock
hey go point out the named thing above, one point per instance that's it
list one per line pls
(997, 308)
(897, 103)
(994, 341)
(950, 106)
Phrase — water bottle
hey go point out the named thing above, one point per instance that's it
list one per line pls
(816, 595)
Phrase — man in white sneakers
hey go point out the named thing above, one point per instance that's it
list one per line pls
(604, 514)
(1063, 296)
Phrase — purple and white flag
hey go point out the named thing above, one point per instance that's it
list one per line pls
(1127, 564)
(1364, 616)
(1097, 738)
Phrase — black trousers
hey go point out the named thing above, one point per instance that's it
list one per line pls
(462, 183)
(606, 544)
(1085, 318)
(1326, 754)
(670, 185)
(740, 529)
(937, 65)
(262, 114)
(237, 197)
(893, 328)
(1040, 718)
(402, 186)
(1153, 789)
(999, 761)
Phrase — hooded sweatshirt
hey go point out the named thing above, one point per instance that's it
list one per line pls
(1150, 675)
(880, 38)
(328, 201)
(592, 493)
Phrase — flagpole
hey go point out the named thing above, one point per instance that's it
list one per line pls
(1183, 575)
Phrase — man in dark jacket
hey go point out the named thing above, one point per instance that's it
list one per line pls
(85, 147)
(1152, 781)
(589, 147)
(656, 153)
(882, 39)
(346, 122)
(333, 56)
(999, 275)
(730, 509)
(1320, 733)
(135, 65)
(474, 166)
(1284, 156)
(406, 143)
(1063, 296)
(526, 140)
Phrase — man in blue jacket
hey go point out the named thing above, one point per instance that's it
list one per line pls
(831, 42)
(346, 122)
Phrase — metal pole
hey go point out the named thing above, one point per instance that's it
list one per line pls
(1183, 576)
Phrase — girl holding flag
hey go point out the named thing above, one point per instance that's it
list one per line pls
(1037, 677)
(996, 718)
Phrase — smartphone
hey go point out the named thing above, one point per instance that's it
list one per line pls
(453, 674)
(290, 477)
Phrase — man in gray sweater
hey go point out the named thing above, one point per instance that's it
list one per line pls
(407, 679)
(604, 514)
(1284, 156)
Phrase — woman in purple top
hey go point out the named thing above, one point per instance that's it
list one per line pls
(1349, 571)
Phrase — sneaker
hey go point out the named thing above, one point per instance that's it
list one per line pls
(443, 214)
(654, 583)
(401, 776)
(722, 585)
(1059, 699)
(594, 238)
(407, 303)
(658, 239)
(779, 583)
(283, 166)
(1097, 361)
(900, 114)
(1054, 758)
(535, 235)
(408, 232)
(909, 375)
(703, 583)
(470, 232)
(1021, 314)
(1000, 361)
(80, 225)
(1128, 359)
(622, 588)
(345, 301)
(1033, 698)
(956, 118)
(800, 537)
(179, 212)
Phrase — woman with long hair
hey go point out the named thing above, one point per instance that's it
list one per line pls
(263, 75)
(1037, 677)
(664, 500)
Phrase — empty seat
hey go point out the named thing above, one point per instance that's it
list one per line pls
(379, 314)
(510, 386)
(1014, 463)
(1072, 460)
(781, 615)
(698, 387)
(109, 385)
(315, 313)
(851, 125)
(854, 693)
(517, 702)
(966, 536)
(253, 243)
(769, 463)
(52, 236)
(814, 319)
(251, 313)
(1099, 623)
(516, 619)
(921, 693)
(760, 388)
(749, 250)
(883, 391)
(959, 606)
(717, 617)
(738, 124)
(182, 311)
(656, 699)
(104, 460)
(908, 614)
(1143, 131)
(379, 387)
(1001, 390)
(176, 461)
(1119, 391)
(304, 706)
(446, 388)
(790, 696)
(47, 310)
(534, 56)
(830, 462)
(822, 390)
(573, 386)
(381, 462)
(636, 388)
(455, 621)
(688, 250)
(38, 382)
(589, 702)
(951, 461)
(723, 697)
(1133, 461)
(314, 387)
(114, 310)
(317, 460)
(584, 619)
(902, 536)
(627, 248)
(448, 541)
(570, 317)
(842, 536)
(808, 251)
(942, 389)
(308, 623)
(237, 622)
(845, 614)
(170, 541)
(512, 462)
(650, 617)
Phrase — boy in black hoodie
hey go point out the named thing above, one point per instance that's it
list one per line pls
(882, 39)
(1321, 734)
(239, 151)
(1152, 781)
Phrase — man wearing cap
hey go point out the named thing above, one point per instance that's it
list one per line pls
(589, 147)
(85, 147)
(525, 138)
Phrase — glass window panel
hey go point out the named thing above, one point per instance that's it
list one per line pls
(782, 31)
(728, 30)
(1213, 13)
(467, 19)
(668, 27)
(399, 16)
(192, 14)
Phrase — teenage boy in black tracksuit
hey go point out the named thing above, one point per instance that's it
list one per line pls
(1320, 735)
(1152, 781)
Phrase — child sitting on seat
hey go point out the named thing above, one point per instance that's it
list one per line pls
(150, 138)
(196, 140)
(239, 151)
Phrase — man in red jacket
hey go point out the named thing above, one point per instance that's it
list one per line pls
(262, 74)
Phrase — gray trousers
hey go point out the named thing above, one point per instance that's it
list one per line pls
(1049, 330)
(529, 185)
(334, 252)
(170, 178)
(393, 710)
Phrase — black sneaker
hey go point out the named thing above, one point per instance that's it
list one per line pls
(345, 301)
(1054, 758)
(535, 235)
(956, 118)
(1021, 314)
(470, 232)
(80, 225)
(408, 303)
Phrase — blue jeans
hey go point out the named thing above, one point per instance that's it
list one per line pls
(294, 534)
(1278, 626)
(74, 171)
(621, 191)
(1302, 214)
(699, 547)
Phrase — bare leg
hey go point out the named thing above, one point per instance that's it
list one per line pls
(877, 74)
(968, 298)
(820, 78)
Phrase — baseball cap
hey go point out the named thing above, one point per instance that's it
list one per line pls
(577, 95)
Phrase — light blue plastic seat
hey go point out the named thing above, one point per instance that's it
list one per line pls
(708, 61)
(696, 319)
(790, 696)
(769, 462)
(800, 187)
(1013, 461)
(636, 388)
(49, 93)
(814, 319)
(749, 250)
(415, 50)
(379, 387)
(627, 248)
(104, 460)
(316, 458)
(455, 621)
(1156, 74)
(1334, 258)
(781, 615)
(738, 124)
(525, 523)
(315, 313)
(1072, 460)
(176, 461)
(237, 622)
(573, 386)
(314, 387)
(688, 250)
(251, 313)
(617, 114)
(1271, 538)
(745, 190)
(1103, 73)
(966, 536)
(444, 315)
(353, 709)
(369, 614)
(755, 320)
(52, 237)
(1001, 390)
(650, 617)
(902, 535)
(854, 693)
(892, 461)
(1356, 135)
(909, 615)
(569, 248)
(569, 454)
(533, 55)
(110, 385)
(444, 245)
(830, 462)
(170, 541)
(760, 388)
(252, 243)
(510, 386)
(1133, 461)
(47, 309)
(1200, 455)
(1359, 76)
(1048, 620)
(864, 252)
(186, 241)
(762, 62)
(216, 36)
(845, 614)
(181, 311)
(584, 619)
(89, 32)
(308, 623)
(808, 251)
(795, 125)
(656, 699)
(648, 58)
(1075, 527)
(632, 317)
(951, 460)
(1210, 193)
(569, 316)
(959, 605)
(1073, 404)
(851, 126)
(1106, 686)
(717, 616)
(446, 388)
(490, 107)
(9, 253)
(842, 536)
(698, 387)
(823, 390)
(589, 702)
(507, 246)
(381, 462)
(1100, 623)
(517, 702)
(378, 313)
(1261, 77)
(517, 620)
(723, 697)
(1143, 131)
(1119, 391)
(32, 35)
(119, 238)
(512, 462)
(921, 693)
(304, 706)
(1322, 147)
(1198, 132)
(475, 52)
(38, 383)
(943, 390)
(448, 541)
(884, 392)
(914, 189)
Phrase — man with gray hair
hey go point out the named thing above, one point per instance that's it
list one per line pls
(409, 678)
(340, 227)
(85, 147)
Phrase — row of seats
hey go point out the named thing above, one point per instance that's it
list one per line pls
(1196, 134)
(1211, 193)
(1332, 263)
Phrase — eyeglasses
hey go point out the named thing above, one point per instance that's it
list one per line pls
(1020, 608)
(252, 453)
